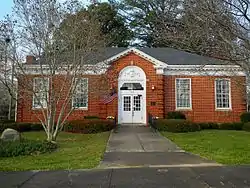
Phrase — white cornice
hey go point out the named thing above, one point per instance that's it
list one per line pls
(204, 70)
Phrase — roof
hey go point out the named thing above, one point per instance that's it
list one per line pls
(167, 56)
(177, 57)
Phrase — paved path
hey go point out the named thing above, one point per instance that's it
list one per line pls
(138, 139)
(216, 177)
(142, 146)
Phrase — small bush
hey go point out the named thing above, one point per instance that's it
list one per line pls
(175, 115)
(36, 127)
(208, 125)
(88, 126)
(22, 127)
(25, 147)
(176, 125)
(91, 117)
(231, 126)
(245, 117)
(246, 126)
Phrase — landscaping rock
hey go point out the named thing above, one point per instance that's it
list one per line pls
(10, 135)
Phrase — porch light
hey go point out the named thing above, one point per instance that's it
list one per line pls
(153, 87)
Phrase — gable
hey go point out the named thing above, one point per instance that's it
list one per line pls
(140, 53)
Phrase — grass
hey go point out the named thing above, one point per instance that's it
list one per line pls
(76, 151)
(225, 147)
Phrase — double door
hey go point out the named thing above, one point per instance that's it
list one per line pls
(132, 108)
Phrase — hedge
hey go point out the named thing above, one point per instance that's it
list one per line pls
(246, 127)
(25, 147)
(176, 125)
(175, 115)
(231, 126)
(21, 127)
(88, 126)
(208, 125)
(245, 117)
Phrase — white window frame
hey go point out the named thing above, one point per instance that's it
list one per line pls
(190, 94)
(33, 97)
(81, 108)
(215, 94)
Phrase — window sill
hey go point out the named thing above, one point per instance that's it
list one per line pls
(183, 109)
(82, 108)
(223, 109)
(39, 108)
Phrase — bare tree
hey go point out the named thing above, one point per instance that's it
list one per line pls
(7, 63)
(218, 28)
(61, 55)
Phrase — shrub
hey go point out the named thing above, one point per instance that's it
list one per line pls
(91, 117)
(21, 127)
(36, 127)
(208, 125)
(88, 126)
(246, 126)
(176, 125)
(245, 117)
(175, 115)
(25, 147)
(231, 126)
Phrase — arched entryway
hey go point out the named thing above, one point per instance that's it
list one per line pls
(132, 96)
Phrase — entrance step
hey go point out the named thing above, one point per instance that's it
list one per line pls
(133, 125)
(119, 159)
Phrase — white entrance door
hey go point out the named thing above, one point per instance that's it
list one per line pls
(127, 108)
(137, 112)
(132, 96)
(132, 111)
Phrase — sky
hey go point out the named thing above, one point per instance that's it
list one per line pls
(6, 7)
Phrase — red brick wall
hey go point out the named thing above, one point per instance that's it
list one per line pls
(25, 113)
(163, 96)
(203, 99)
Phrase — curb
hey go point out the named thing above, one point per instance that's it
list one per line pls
(163, 166)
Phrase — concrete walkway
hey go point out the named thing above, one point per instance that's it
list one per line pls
(200, 177)
(139, 139)
(144, 147)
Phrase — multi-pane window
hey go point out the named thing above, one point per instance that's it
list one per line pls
(137, 103)
(80, 97)
(40, 92)
(222, 89)
(183, 93)
(127, 103)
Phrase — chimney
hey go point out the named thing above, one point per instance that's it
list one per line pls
(30, 59)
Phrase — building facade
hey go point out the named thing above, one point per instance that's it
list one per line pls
(156, 81)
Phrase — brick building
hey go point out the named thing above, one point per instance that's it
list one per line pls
(156, 81)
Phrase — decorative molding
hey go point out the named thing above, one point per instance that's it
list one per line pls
(203, 70)
(160, 67)
(132, 73)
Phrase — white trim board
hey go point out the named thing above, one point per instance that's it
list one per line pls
(203, 70)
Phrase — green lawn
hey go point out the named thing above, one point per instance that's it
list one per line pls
(226, 147)
(76, 151)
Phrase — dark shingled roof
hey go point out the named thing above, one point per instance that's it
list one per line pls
(177, 57)
(168, 55)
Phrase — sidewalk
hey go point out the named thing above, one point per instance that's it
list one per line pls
(219, 177)
(143, 146)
